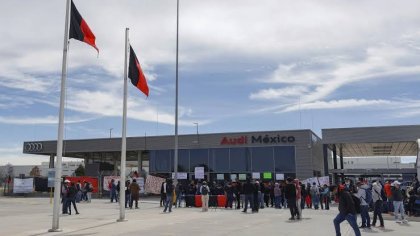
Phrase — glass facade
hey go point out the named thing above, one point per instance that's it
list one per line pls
(226, 160)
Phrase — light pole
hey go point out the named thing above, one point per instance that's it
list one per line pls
(110, 132)
(198, 137)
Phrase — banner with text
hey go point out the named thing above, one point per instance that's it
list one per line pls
(23, 185)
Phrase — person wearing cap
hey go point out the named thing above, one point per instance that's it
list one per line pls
(205, 191)
(397, 198)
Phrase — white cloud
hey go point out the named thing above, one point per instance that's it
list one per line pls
(48, 120)
(338, 104)
(271, 93)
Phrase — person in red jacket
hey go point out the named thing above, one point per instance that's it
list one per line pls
(388, 193)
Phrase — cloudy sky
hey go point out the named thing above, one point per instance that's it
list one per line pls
(244, 65)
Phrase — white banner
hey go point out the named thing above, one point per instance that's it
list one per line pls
(324, 180)
(220, 176)
(199, 172)
(256, 175)
(181, 175)
(279, 176)
(153, 184)
(107, 182)
(233, 177)
(23, 185)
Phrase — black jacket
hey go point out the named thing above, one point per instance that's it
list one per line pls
(290, 191)
(346, 204)
(248, 188)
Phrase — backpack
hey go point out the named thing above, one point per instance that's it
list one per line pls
(356, 201)
(368, 196)
(204, 190)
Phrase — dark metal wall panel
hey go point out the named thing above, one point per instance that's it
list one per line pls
(371, 134)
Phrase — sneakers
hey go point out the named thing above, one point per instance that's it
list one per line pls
(398, 221)
(405, 221)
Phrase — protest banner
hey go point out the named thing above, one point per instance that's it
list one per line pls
(23, 185)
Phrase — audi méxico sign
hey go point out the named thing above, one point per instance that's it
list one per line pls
(33, 147)
(257, 139)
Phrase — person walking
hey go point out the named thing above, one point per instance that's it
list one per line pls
(388, 193)
(134, 194)
(113, 190)
(315, 195)
(237, 190)
(290, 194)
(378, 202)
(325, 197)
(397, 198)
(127, 194)
(204, 191)
(64, 196)
(298, 208)
(347, 211)
(89, 190)
(257, 197)
(248, 191)
(277, 196)
(363, 194)
(169, 191)
(72, 198)
(229, 195)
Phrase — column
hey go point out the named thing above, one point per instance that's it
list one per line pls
(325, 149)
(335, 162)
(51, 164)
(418, 159)
(341, 162)
(139, 163)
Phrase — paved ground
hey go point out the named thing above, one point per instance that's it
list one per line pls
(33, 216)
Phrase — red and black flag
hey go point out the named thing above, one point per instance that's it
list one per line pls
(136, 74)
(79, 29)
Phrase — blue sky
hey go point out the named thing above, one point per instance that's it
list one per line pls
(244, 66)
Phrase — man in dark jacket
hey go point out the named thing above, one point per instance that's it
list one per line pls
(347, 212)
(248, 190)
(290, 195)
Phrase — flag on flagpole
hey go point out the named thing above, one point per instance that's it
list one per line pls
(136, 74)
(79, 29)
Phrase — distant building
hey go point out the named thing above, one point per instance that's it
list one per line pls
(68, 168)
(375, 163)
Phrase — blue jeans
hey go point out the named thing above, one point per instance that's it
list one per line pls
(315, 201)
(350, 218)
(364, 213)
(114, 196)
(398, 209)
(249, 198)
(179, 199)
(277, 201)
(168, 203)
(128, 200)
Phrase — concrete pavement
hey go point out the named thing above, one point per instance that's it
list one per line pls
(33, 216)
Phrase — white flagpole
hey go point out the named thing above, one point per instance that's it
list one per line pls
(176, 99)
(124, 129)
(57, 183)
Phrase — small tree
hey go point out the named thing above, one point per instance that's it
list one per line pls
(80, 171)
(35, 172)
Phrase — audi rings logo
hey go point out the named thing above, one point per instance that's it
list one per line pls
(33, 147)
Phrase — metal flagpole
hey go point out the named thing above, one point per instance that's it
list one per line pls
(124, 138)
(176, 99)
(57, 183)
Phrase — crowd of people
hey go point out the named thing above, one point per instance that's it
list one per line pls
(364, 196)
(72, 193)
(353, 198)
(252, 194)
